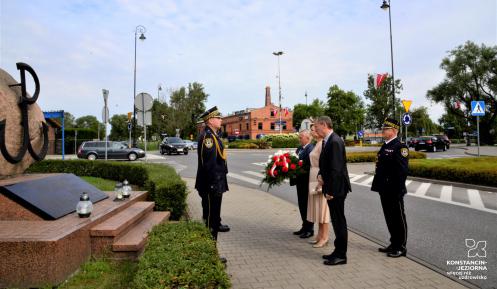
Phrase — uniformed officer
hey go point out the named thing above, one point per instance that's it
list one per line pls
(390, 182)
(211, 180)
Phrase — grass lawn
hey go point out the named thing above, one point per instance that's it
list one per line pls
(103, 274)
(101, 184)
(482, 163)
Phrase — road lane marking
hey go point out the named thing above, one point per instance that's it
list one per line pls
(356, 178)
(368, 180)
(260, 175)
(244, 178)
(408, 182)
(260, 164)
(446, 194)
(475, 199)
(423, 188)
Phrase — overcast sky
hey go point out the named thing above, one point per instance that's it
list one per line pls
(79, 47)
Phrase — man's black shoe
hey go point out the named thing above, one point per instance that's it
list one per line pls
(306, 235)
(299, 232)
(397, 253)
(335, 261)
(327, 257)
(223, 260)
(385, 249)
(223, 228)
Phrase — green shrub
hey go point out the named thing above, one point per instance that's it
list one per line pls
(360, 157)
(249, 144)
(283, 140)
(180, 255)
(164, 185)
(478, 171)
(151, 145)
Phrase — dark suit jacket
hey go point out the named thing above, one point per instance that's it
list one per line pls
(333, 168)
(391, 169)
(303, 154)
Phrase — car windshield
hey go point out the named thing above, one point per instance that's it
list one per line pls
(426, 138)
(174, 140)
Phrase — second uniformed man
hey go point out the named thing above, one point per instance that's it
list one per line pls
(212, 169)
(390, 182)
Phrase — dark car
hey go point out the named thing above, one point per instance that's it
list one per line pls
(445, 139)
(412, 142)
(171, 145)
(93, 150)
(430, 144)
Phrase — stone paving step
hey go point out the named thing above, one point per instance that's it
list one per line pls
(136, 238)
(119, 223)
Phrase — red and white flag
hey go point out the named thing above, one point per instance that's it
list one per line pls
(286, 111)
(275, 111)
(379, 80)
(457, 105)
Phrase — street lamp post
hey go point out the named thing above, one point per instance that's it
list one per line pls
(278, 54)
(159, 88)
(138, 30)
(387, 6)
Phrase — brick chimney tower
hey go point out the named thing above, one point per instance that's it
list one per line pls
(268, 96)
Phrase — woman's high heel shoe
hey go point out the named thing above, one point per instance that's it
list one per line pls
(318, 245)
(312, 241)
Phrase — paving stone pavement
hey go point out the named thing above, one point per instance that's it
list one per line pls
(263, 253)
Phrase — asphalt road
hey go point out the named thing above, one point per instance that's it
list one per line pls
(438, 225)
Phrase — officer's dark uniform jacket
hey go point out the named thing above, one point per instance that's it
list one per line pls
(212, 166)
(391, 169)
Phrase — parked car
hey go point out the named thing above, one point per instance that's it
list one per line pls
(191, 145)
(171, 145)
(430, 144)
(411, 142)
(445, 139)
(93, 150)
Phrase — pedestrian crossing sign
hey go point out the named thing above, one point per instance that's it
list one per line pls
(477, 108)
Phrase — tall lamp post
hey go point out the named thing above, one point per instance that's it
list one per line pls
(386, 6)
(278, 54)
(138, 30)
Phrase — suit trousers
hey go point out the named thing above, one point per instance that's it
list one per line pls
(211, 211)
(395, 217)
(302, 197)
(339, 224)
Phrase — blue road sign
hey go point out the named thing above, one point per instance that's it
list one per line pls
(360, 134)
(129, 125)
(406, 118)
(477, 108)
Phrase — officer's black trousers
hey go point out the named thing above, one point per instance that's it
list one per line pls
(213, 210)
(339, 223)
(395, 217)
(205, 209)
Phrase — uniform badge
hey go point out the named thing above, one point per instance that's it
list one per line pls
(208, 142)
(404, 152)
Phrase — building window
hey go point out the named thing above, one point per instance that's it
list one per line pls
(272, 112)
(260, 126)
(247, 126)
(240, 127)
(272, 126)
(284, 126)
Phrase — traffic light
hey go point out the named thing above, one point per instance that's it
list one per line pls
(129, 116)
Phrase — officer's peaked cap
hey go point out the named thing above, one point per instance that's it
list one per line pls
(212, 112)
(391, 123)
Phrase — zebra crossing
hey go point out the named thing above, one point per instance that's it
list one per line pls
(470, 198)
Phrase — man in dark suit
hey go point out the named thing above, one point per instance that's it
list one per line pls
(302, 183)
(334, 178)
(212, 169)
(390, 181)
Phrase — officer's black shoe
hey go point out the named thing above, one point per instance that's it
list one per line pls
(223, 260)
(223, 228)
(327, 257)
(299, 232)
(385, 249)
(306, 235)
(335, 261)
(397, 253)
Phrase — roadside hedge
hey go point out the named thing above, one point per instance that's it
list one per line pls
(249, 144)
(290, 140)
(360, 157)
(164, 185)
(180, 255)
(479, 171)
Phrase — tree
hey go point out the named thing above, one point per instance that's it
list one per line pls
(302, 111)
(471, 74)
(119, 127)
(421, 123)
(381, 101)
(68, 120)
(453, 126)
(346, 111)
(91, 122)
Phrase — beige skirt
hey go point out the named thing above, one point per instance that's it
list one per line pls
(317, 208)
